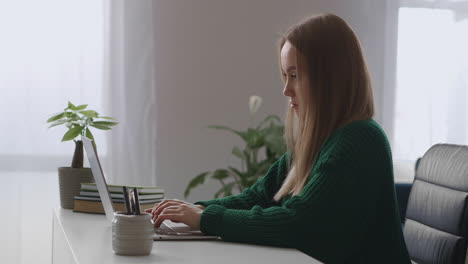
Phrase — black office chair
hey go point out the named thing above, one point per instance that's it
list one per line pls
(436, 221)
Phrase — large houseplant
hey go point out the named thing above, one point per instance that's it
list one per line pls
(78, 120)
(266, 138)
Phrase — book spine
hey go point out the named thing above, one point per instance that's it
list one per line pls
(97, 208)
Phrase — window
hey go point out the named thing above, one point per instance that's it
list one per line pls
(49, 55)
(432, 81)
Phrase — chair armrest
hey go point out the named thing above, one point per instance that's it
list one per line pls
(402, 192)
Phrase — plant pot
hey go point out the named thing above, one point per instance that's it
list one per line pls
(70, 180)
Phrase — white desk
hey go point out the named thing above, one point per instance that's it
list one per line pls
(87, 238)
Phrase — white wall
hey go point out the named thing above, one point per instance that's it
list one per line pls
(212, 55)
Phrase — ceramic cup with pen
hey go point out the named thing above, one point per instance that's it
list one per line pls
(132, 231)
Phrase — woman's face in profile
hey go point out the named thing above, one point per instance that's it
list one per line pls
(289, 73)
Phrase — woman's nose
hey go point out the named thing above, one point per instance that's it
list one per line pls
(288, 91)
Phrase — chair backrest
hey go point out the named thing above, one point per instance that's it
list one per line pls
(436, 223)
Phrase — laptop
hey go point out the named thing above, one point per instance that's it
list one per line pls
(168, 230)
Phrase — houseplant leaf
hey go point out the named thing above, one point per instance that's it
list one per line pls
(263, 167)
(105, 123)
(106, 117)
(59, 122)
(70, 106)
(72, 133)
(220, 174)
(237, 172)
(89, 134)
(239, 133)
(89, 113)
(238, 176)
(274, 140)
(268, 118)
(102, 127)
(254, 139)
(199, 179)
(275, 144)
(226, 190)
(81, 107)
(247, 160)
(238, 153)
(56, 117)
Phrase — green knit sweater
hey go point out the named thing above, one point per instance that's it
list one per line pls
(346, 213)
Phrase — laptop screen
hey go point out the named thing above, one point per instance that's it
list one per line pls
(99, 177)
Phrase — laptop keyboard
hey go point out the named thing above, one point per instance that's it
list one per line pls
(165, 230)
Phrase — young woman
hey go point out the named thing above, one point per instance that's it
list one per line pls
(332, 194)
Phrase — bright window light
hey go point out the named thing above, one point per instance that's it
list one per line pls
(51, 52)
(432, 81)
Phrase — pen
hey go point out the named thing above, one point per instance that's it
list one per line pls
(126, 200)
(137, 201)
(131, 197)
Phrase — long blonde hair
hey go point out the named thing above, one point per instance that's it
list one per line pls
(339, 91)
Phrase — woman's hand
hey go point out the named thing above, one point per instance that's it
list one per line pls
(177, 211)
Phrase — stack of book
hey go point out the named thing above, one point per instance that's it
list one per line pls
(89, 200)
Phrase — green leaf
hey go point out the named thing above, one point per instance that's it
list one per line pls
(220, 174)
(250, 182)
(100, 127)
(106, 117)
(238, 153)
(237, 172)
(72, 133)
(56, 117)
(248, 164)
(72, 114)
(276, 130)
(199, 179)
(60, 122)
(262, 169)
(255, 139)
(239, 133)
(274, 139)
(89, 113)
(275, 144)
(226, 190)
(270, 117)
(240, 179)
(105, 123)
(70, 106)
(89, 134)
(80, 107)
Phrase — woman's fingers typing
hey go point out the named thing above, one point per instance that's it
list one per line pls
(169, 213)
(176, 211)
(163, 202)
(170, 202)
(162, 207)
(188, 214)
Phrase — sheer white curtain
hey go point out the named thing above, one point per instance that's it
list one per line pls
(89, 52)
(129, 91)
(432, 76)
(51, 52)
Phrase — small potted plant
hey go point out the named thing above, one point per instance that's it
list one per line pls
(78, 120)
(266, 137)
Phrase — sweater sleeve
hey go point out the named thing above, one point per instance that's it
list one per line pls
(327, 219)
(261, 193)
